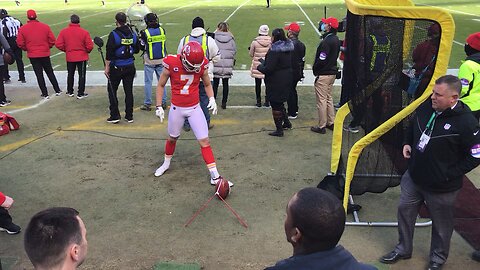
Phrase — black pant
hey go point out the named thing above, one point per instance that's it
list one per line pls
(258, 90)
(216, 82)
(277, 106)
(2, 86)
(117, 75)
(43, 64)
(5, 218)
(292, 100)
(17, 54)
(82, 72)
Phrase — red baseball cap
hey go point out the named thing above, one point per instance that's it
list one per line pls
(31, 14)
(331, 21)
(474, 41)
(294, 27)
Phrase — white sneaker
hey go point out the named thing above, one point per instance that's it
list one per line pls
(213, 182)
(161, 170)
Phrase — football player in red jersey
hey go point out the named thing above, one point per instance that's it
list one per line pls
(185, 71)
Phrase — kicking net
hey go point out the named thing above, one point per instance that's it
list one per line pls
(393, 56)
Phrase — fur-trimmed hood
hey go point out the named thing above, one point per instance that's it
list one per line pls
(282, 46)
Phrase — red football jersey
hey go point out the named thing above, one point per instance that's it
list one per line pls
(184, 84)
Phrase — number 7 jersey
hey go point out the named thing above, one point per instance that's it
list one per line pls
(184, 84)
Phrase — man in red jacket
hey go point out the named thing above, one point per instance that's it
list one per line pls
(6, 224)
(77, 44)
(37, 38)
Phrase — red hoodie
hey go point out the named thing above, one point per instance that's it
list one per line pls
(2, 198)
(75, 42)
(36, 38)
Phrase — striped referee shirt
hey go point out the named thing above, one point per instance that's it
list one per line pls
(10, 26)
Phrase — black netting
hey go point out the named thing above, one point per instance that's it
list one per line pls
(376, 79)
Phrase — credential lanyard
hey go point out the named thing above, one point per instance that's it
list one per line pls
(431, 124)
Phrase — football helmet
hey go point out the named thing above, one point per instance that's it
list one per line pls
(192, 56)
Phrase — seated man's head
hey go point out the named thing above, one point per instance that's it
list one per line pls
(315, 221)
(56, 238)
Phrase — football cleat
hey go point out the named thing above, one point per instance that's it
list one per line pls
(213, 182)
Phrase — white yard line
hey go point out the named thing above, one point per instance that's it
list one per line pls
(239, 7)
(86, 16)
(175, 9)
(42, 101)
(452, 10)
(308, 18)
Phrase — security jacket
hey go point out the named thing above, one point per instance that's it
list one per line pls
(469, 75)
(452, 151)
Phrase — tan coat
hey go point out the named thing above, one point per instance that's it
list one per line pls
(258, 49)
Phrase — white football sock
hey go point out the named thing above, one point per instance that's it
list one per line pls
(166, 164)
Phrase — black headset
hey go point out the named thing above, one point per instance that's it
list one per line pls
(152, 18)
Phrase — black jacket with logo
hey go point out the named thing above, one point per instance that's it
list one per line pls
(326, 55)
(452, 151)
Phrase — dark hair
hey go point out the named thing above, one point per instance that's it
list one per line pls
(453, 82)
(198, 22)
(320, 217)
(49, 233)
(121, 18)
(223, 26)
(278, 34)
(74, 18)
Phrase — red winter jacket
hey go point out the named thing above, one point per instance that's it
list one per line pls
(36, 38)
(75, 42)
(2, 198)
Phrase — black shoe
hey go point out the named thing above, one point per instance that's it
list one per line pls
(434, 266)
(70, 94)
(393, 257)
(129, 120)
(266, 104)
(476, 255)
(318, 129)
(82, 96)
(113, 120)
(276, 133)
(4, 103)
(330, 127)
(22, 80)
(11, 229)
(7, 81)
(224, 106)
(287, 125)
(210, 126)
(258, 104)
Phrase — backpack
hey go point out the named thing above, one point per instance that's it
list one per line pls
(7, 123)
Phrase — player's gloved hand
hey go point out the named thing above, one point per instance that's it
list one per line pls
(160, 113)
(212, 105)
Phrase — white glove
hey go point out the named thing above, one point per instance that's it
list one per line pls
(212, 105)
(160, 113)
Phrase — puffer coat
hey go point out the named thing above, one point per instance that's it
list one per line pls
(278, 70)
(258, 49)
(226, 43)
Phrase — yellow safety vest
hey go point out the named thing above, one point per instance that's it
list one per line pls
(151, 40)
(204, 43)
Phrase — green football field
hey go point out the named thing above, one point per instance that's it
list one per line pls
(244, 17)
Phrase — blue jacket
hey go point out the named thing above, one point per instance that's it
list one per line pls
(337, 258)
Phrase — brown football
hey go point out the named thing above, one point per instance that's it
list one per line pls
(8, 59)
(222, 189)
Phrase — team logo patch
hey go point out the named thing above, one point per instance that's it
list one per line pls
(447, 126)
(464, 82)
(175, 69)
(475, 151)
(322, 56)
